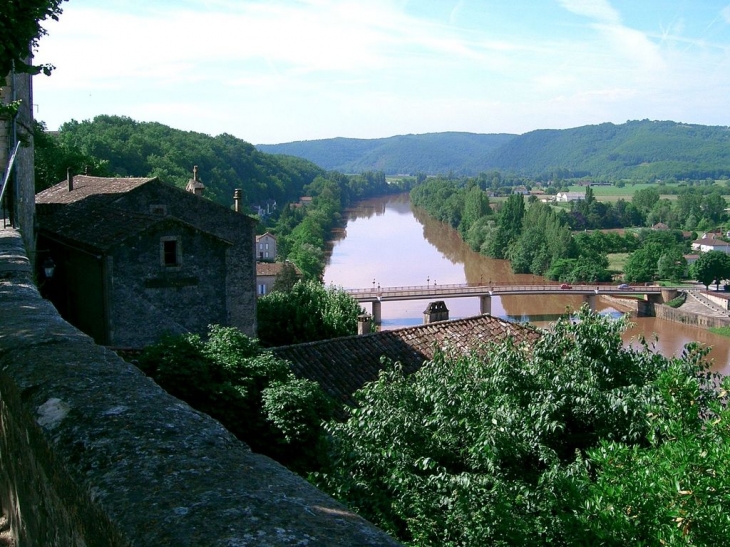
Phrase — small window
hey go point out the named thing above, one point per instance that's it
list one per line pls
(160, 210)
(262, 289)
(170, 252)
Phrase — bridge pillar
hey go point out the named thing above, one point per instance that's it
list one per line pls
(377, 316)
(591, 300)
(485, 305)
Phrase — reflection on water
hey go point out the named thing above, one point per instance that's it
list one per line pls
(387, 243)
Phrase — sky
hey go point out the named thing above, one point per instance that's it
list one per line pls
(274, 71)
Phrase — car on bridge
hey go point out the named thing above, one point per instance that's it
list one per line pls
(624, 287)
(565, 286)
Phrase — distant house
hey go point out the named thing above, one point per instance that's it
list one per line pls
(522, 190)
(710, 242)
(136, 258)
(344, 365)
(266, 247)
(569, 196)
(266, 274)
(660, 226)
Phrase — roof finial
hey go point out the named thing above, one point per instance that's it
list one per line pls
(195, 173)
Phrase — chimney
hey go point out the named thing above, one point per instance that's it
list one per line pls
(70, 179)
(194, 186)
(364, 323)
(237, 200)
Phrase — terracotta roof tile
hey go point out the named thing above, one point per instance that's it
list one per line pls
(344, 365)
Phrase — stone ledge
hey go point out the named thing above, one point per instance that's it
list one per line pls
(95, 453)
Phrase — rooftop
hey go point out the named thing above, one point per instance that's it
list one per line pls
(344, 365)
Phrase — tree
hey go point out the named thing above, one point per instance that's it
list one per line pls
(20, 28)
(286, 278)
(252, 393)
(575, 441)
(307, 313)
(645, 199)
(672, 265)
(642, 263)
(711, 267)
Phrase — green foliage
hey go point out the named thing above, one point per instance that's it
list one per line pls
(140, 149)
(307, 313)
(20, 28)
(711, 267)
(53, 158)
(576, 441)
(286, 279)
(252, 393)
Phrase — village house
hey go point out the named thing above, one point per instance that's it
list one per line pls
(566, 197)
(266, 247)
(710, 242)
(266, 274)
(136, 258)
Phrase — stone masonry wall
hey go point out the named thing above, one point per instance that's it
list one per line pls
(93, 453)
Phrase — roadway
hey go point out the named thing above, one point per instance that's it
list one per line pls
(422, 292)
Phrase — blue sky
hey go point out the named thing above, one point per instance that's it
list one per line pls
(271, 71)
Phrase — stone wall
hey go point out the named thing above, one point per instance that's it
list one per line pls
(689, 318)
(93, 453)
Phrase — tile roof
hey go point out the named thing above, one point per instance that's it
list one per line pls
(85, 186)
(272, 268)
(344, 365)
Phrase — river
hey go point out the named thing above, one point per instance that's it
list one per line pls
(388, 243)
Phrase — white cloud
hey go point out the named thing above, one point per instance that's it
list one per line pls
(600, 10)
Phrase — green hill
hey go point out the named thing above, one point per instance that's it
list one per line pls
(461, 153)
(140, 149)
(637, 150)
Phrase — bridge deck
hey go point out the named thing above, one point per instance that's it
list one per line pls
(422, 292)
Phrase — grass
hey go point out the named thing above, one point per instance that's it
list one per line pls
(722, 331)
(617, 261)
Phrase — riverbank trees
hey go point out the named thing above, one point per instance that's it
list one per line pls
(575, 441)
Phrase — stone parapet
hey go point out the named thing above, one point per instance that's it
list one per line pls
(93, 452)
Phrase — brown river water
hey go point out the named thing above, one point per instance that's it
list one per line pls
(388, 243)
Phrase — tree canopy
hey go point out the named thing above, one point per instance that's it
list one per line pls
(308, 312)
(575, 441)
(20, 28)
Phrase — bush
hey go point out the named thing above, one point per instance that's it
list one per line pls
(251, 392)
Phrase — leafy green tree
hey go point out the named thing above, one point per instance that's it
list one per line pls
(287, 278)
(53, 158)
(643, 262)
(672, 265)
(575, 441)
(711, 267)
(252, 393)
(307, 313)
(20, 28)
(645, 199)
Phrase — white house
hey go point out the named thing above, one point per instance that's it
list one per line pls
(569, 196)
(266, 247)
(710, 242)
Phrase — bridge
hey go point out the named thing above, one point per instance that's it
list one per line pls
(377, 294)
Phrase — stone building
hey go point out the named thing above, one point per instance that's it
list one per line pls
(266, 247)
(136, 258)
(17, 207)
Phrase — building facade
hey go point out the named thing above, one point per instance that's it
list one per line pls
(137, 258)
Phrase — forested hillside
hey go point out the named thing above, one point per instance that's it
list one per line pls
(643, 150)
(639, 150)
(460, 153)
(121, 146)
